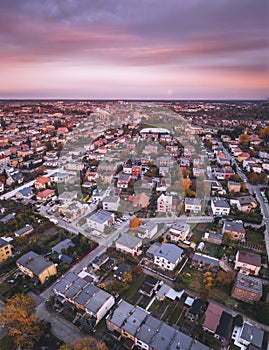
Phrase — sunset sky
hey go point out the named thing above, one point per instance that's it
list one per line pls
(173, 49)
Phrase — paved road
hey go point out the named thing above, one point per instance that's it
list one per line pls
(62, 328)
(12, 193)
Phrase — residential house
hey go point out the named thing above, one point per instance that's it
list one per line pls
(166, 256)
(72, 211)
(220, 206)
(36, 266)
(234, 186)
(234, 229)
(100, 220)
(2, 186)
(193, 205)
(129, 244)
(179, 232)
(224, 328)
(99, 261)
(146, 332)
(248, 335)
(4, 160)
(45, 195)
(212, 317)
(139, 201)
(245, 203)
(196, 310)
(123, 181)
(204, 262)
(149, 286)
(84, 296)
(42, 182)
(67, 196)
(15, 178)
(247, 262)
(212, 237)
(5, 250)
(26, 230)
(63, 245)
(25, 193)
(247, 288)
(242, 156)
(147, 230)
(111, 203)
(165, 204)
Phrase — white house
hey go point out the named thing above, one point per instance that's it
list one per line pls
(164, 203)
(129, 244)
(179, 232)
(147, 230)
(193, 205)
(220, 207)
(100, 220)
(111, 203)
(166, 256)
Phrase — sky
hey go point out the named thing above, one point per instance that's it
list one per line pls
(126, 49)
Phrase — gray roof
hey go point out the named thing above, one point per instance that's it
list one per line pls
(134, 321)
(169, 251)
(148, 329)
(147, 226)
(128, 241)
(163, 338)
(221, 203)
(24, 230)
(182, 341)
(97, 301)
(62, 245)
(252, 334)
(86, 294)
(235, 225)
(249, 283)
(111, 199)
(121, 313)
(8, 217)
(3, 243)
(34, 262)
(206, 259)
(181, 226)
(101, 216)
(192, 201)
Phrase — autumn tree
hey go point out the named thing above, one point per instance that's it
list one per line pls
(226, 277)
(264, 134)
(135, 222)
(244, 139)
(127, 277)
(138, 270)
(18, 317)
(88, 344)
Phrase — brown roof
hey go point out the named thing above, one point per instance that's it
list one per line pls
(212, 317)
(249, 258)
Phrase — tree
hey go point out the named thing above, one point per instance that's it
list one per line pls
(18, 317)
(138, 270)
(264, 134)
(89, 344)
(135, 222)
(83, 344)
(226, 277)
(238, 320)
(244, 139)
(127, 277)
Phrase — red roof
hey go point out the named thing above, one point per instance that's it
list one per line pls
(212, 317)
(45, 193)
